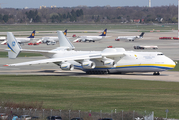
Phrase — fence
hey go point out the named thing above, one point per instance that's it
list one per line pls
(69, 114)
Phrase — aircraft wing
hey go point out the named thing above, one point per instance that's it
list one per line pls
(4, 42)
(77, 40)
(61, 59)
(35, 51)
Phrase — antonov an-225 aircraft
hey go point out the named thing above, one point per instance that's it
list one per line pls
(110, 60)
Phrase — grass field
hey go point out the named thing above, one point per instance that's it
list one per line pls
(50, 27)
(60, 92)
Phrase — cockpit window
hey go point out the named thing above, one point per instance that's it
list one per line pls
(160, 54)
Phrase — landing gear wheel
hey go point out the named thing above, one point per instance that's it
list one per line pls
(156, 73)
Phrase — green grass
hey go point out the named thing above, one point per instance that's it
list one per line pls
(5, 54)
(50, 27)
(59, 92)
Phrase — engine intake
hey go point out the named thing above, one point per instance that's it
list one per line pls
(66, 66)
(87, 64)
(108, 62)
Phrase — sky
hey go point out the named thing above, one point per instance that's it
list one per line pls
(90, 3)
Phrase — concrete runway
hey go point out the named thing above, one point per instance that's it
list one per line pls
(169, 47)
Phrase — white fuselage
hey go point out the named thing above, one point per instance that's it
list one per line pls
(131, 38)
(50, 38)
(23, 40)
(92, 37)
(88, 38)
(19, 40)
(130, 62)
(2, 38)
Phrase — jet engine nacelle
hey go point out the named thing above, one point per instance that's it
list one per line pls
(66, 66)
(84, 40)
(87, 64)
(109, 62)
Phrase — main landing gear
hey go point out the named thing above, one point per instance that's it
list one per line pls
(156, 73)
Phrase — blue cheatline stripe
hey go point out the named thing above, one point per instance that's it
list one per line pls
(167, 68)
(10, 48)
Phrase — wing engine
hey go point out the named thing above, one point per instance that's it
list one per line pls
(87, 64)
(66, 66)
(108, 62)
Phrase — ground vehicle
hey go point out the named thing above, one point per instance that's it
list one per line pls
(106, 119)
(77, 118)
(74, 35)
(54, 118)
(110, 46)
(35, 118)
(3, 116)
(24, 117)
(30, 43)
(51, 43)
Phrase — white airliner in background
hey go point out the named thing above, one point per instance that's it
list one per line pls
(91, 38)
(22, 40)
(50, 40)
(110, 60)
(2, 38)
(130, 38)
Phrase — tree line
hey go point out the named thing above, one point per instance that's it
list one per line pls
(106, 14)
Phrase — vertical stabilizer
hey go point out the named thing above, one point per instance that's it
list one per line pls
(12, 44)
(104, 33)
(64, 42)
(65, 32)
(141, 35)
(32, 34)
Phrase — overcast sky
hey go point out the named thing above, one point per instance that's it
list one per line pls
(74, 3)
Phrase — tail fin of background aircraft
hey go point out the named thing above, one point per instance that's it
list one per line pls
(64, 42)
(32, 34)
(104, 32)
(65, 32)
(141, 35)
(12, 44)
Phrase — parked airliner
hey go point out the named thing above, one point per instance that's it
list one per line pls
(91, 38)
(130, 38)
(109, 60)
(22, 40)
(50, 40)
(2, 38)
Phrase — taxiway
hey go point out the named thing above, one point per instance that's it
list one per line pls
(169, 47)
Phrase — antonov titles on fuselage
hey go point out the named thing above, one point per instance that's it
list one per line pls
(110, 60)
